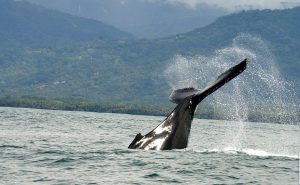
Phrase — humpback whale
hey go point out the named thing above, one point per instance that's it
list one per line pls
(174, 131)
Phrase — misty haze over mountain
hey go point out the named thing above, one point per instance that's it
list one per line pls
(141, 18)
(159, 18)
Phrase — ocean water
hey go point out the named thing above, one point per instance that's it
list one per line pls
(61, 147)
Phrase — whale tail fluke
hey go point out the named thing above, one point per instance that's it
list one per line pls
(178, 95)
(221, 80)
(173, 132)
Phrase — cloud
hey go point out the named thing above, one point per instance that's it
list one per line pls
(234, 5)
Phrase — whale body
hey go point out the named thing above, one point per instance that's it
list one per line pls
(174, 131)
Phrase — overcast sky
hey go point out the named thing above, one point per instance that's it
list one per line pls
(234, 5)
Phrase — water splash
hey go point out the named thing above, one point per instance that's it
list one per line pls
(259, 94)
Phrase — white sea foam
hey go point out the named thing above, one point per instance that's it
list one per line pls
(248, 151)
(266, 154)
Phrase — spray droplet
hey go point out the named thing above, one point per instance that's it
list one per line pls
(259, 94)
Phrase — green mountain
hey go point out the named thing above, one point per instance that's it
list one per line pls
(131, 71)
(22, 24)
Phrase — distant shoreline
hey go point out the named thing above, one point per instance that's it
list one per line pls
(88, 106)
(126, 108)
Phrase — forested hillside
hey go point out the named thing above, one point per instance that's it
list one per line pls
(24, 24)
(131, 71)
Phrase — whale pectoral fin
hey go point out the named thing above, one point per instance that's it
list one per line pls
(138, 137)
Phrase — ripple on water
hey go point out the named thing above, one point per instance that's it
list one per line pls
(50, 152)
(11, 146)
(155, 177)
(152, 175)
(45, 179)
(63, 160)
(138, 163)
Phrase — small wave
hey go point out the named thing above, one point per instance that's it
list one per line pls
(50, 152)
(122, 151)
(43, 180)
(152, 175)
(11, 146)
(64, 160)
(248, 151)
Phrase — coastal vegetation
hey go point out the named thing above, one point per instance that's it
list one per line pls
(203, 112)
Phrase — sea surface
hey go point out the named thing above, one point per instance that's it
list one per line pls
(61, 147)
